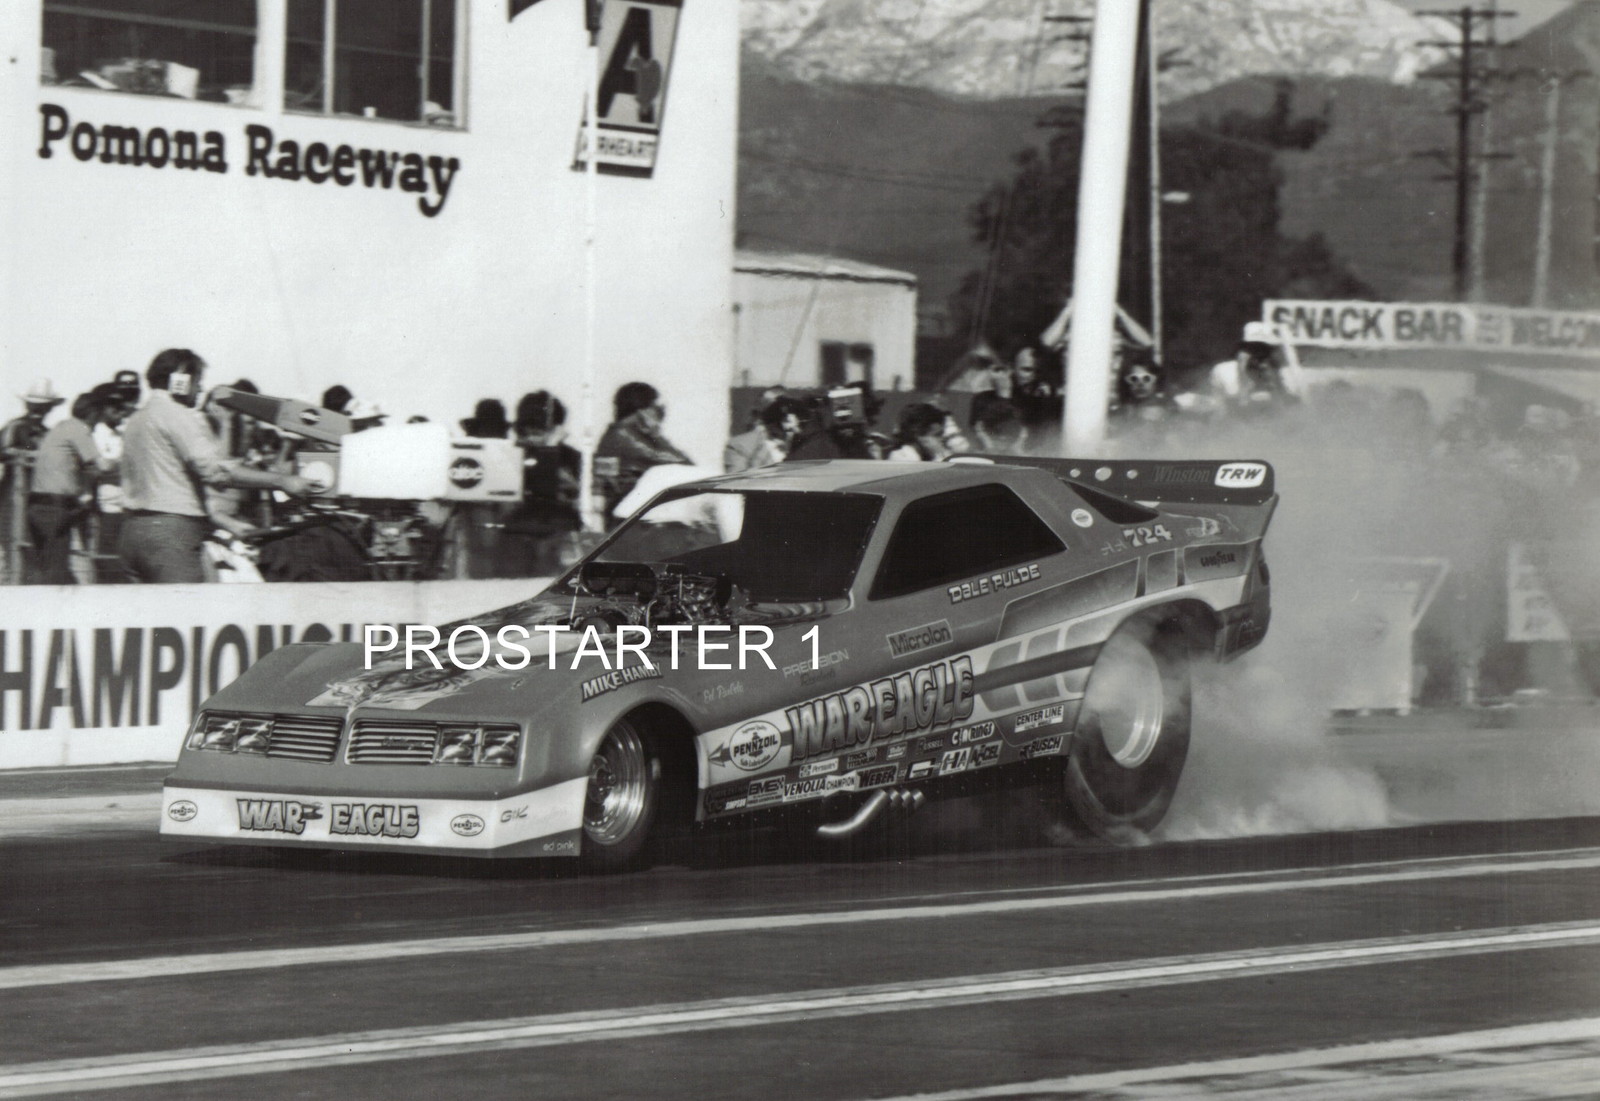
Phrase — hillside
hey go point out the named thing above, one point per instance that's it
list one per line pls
(998, 49)
(884, 175)
(888, 174)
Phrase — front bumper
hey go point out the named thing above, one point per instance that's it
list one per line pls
(546, 822)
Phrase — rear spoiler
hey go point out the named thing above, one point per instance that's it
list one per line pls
(1234, 482)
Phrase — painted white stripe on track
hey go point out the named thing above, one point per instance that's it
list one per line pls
(1532, 1073)
(13, 978)
(1508, 859)
(475, 1037)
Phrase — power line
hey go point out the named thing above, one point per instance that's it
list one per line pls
(1468, 78)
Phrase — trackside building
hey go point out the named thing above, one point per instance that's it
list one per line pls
(387, 195)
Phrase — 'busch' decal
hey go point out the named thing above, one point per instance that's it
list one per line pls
(934, 695)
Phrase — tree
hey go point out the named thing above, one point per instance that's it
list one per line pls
(1222, 250)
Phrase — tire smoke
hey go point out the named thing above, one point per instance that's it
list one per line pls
(1360, 482)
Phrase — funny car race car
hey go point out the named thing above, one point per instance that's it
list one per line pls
(814, 642)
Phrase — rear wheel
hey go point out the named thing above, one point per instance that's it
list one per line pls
(623, 798)
(1132, 735)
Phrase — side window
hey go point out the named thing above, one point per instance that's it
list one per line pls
(952, 536)
(376, 59)
(191, 49)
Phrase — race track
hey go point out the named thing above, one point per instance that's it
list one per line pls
(1457, 960)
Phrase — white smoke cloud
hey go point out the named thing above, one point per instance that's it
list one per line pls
(1359, 481)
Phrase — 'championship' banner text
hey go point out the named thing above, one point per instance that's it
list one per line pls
(112, 674)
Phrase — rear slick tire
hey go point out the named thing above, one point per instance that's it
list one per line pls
(622, 801)
(1132, 734)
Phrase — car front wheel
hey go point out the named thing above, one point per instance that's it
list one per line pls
(622, 800)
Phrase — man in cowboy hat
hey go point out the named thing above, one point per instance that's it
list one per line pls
(18, 441)
(66, 467)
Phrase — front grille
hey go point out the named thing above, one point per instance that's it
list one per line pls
(393, 743)
(304, 737)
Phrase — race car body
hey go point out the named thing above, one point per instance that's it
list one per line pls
(814, 640)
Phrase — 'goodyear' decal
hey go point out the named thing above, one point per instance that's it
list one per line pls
(934, 695)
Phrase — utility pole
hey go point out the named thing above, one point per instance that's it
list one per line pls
(1480, 199)
(1547, 189)
(1469, 102)
(1102, 189)
(1547, 182)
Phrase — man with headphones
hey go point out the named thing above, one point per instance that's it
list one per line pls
(170, 455)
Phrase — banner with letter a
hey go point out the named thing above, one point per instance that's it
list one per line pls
(636, 43)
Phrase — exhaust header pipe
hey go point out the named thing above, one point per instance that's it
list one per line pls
(900, 798)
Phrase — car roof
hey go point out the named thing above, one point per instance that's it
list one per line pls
(864, 476)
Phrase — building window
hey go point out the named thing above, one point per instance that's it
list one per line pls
(832, 362)
(191, 49)
(384, 59)
(842, 363)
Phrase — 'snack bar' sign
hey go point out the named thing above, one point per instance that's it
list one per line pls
(1351, 324)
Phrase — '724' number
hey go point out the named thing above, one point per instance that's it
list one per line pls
(1144, 537)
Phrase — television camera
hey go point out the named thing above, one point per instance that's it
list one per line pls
(390, 494)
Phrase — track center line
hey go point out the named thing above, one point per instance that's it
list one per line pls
(1559, 1054)
(13, 978)
(474, 1037)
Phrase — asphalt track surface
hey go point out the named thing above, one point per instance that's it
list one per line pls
(1456, 960)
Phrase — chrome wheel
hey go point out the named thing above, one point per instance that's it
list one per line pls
(1126, 695)
(1132, 734)
(619, 795)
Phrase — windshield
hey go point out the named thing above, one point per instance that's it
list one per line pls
(776, 546)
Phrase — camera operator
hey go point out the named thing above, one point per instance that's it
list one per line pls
(170, 455)
(922, 434)
(841, 427)
(768, 443)
(540, 535)
(632, 443)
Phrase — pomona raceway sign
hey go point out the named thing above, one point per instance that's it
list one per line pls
(92, 675)
(1389, 325)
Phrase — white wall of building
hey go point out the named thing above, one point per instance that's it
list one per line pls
(298, 285)
(788, 307)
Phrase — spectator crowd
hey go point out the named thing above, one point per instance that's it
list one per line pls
(149, 478)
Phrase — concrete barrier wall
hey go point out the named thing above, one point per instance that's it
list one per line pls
(112, 674)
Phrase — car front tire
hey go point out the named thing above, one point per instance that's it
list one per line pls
(623, 799)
